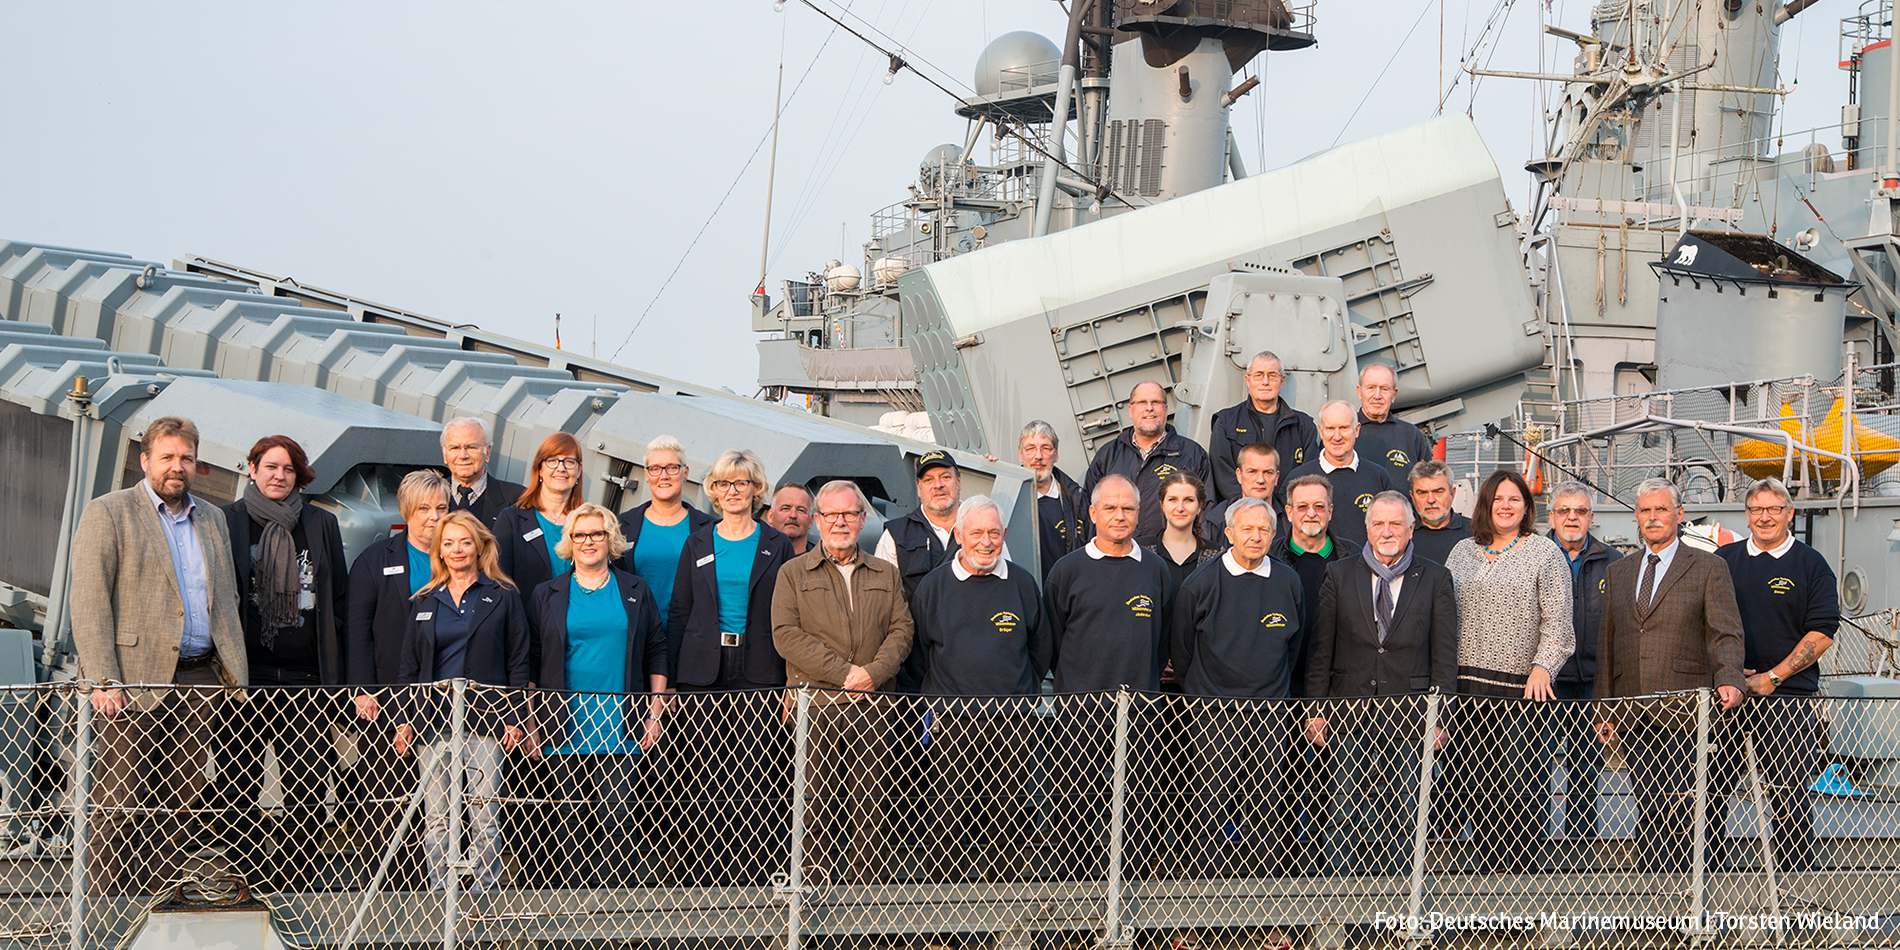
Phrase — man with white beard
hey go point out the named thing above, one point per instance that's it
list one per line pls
(1590, 560)
(980, 629)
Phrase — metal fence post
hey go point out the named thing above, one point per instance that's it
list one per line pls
(82, 793)
(794, 887)
(1421, 828)
(451, 890)
(1699, 869)
(1112, 934)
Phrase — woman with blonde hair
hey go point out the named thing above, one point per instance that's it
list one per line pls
(468, 622)
(656, 529)
(720, 641)
(601, 638)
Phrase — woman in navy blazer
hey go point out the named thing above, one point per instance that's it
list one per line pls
(467, 622)
(601, 638)
(527, 531)
(384, 577)
(655, 556)
(732, 739)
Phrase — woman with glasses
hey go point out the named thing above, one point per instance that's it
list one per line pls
(720, 642)
(466, 622)
(601, 637)
(1514, 634)
(528, 532)
(656, 529)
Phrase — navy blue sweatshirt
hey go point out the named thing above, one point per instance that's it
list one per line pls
(1781, 599)
(1435, 544)
(1174, 453)
(1108, 621)
(981, 636)
(1236, 635)
(1395, 445)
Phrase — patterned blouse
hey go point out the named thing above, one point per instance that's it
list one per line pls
(1513, 613)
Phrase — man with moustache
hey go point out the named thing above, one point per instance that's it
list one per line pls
(1108, 608)
(465, 450)
(1439, 528)
(1388, 628)
(1308, 547)
(1355, 479)
(1145, 453)
(1236, 630)
(1258, 475)
(1670, 624)
(1262, 417)
(154, 601)
(1790, 610)
(979, 623)
(1061, 508)
(791, 514)
(1387, 440)
(1571, 519)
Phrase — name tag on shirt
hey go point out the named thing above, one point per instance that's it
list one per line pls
(398, 569)
(424, 615)
(530, 536)
(702, 562)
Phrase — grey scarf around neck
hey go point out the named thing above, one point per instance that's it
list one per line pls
(274, 573)
(1382, 599)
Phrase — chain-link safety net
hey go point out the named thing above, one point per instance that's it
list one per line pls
(782, 819)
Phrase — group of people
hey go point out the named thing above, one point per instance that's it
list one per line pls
(1169, 568)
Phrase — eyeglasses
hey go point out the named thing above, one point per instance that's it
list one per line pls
(655, 471)
(1773, 511)
(1568, 512)
(563, 463)
(470, 447)
(589, 538)
(840, 517)
(741, 484)
(1258, 376)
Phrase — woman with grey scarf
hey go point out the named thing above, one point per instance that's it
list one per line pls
(292, 583)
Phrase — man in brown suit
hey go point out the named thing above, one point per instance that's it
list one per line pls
(154, 602)
(1669, 624)
(841, 622)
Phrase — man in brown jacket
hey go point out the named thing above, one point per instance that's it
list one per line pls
(154, 604)
(840, 620)
(1669, 624)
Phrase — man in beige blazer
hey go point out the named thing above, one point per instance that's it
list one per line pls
(1670, 624)
(154, 604)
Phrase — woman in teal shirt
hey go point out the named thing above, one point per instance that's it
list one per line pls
(601, 639)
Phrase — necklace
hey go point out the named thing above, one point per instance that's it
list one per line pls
(1500, 551)
(588, 590)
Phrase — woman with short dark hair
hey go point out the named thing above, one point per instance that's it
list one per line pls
(293, 596)
(1514, 634)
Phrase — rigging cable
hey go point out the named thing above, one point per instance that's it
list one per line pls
(1382, 71)
(722, 202)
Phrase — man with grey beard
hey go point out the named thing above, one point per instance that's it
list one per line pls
(1571, 519)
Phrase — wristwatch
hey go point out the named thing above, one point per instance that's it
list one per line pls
(1772, 678)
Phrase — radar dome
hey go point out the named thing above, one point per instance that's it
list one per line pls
(1014, 53)
(946, 154)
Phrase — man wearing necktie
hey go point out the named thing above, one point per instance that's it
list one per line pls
(1670, 625)
(466, 444)
(1387, 629)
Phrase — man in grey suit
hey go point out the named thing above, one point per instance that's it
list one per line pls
(1387, 628)
(154, 604)
(1669, 624)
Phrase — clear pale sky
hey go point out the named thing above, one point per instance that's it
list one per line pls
(495, 164)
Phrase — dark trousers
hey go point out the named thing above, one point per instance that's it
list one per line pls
(293, 722)
(377, 792)
(979, 775)
(1306, 802)
(1084, 785)
(1496, 781)
(1375, 788)
(1783, 729)
(1237, 750)
(149, 777)
(1662, 768)
(1570, 743)
(728, 800)
(592, 829)
(844, 795)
